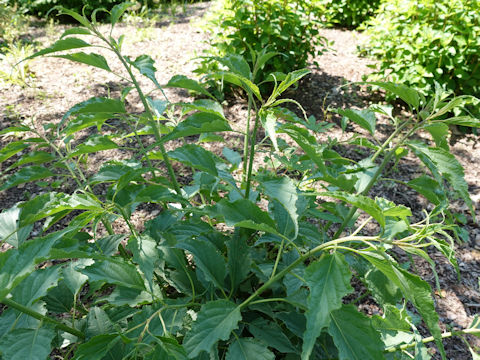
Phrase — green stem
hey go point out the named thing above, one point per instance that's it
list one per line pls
(13, 304)
(245, 141)
(251, 156)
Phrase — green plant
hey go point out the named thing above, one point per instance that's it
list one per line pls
(240, 263)
(13, 23)
(347, 13)
(422, 42)
(287, 28)
(12, 70)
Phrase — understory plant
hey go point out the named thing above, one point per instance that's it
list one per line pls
(242, 261)
(347, 13)
(288, 28)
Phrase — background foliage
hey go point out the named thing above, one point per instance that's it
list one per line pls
(346, 13)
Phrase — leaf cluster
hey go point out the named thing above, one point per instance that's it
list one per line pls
(347, 13)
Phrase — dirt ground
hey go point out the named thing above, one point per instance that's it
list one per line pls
(57, 84)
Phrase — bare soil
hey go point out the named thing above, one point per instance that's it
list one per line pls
(57, 84)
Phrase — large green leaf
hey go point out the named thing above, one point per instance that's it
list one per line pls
(197, 157)
(96, 348)
(145, 254)
(88, 59)
(31, 344)
(271, 333)
(215, 321)
(364, 118)
(96, 105)
(94, 144)
(248, 349)
(236, 64)
(429, 188)
(409, 95)
(354, 335)
(238, 80)
(36, 285)
(238, 260)
(118, 10)
(26, 174)
(240, 211)
(11, 149)
(198, 123)
(206, 106)
(181, 81)
(61, 45)
(146, 66)
(11, 230)
(329, 281)
(115, 272)
(207, 259)
(362, 202)
(414, 289)
(98, 322)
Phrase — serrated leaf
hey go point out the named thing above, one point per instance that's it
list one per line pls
(145, 254)
(73, 279)
(91, 59)
(181, 81)
(270, 333)
(439, 132)
(198, 123)
(364, 118)
(10, 229)
(428, 187)
(383, 290)
(109, 244)
(25, 175)
(238, 259)
(354, 335)
(61, 45)
(96, 348)
(115, 272)
(35, 157)
(197, 157)
(94, 144)
(146, 66)
(329, 281)
(207, 259)
(362, 202)
(215, 321)
(239, 211)
(247, 349)
(31, 344)
(409, 95)
(117, 12)
(35, 286)
(98, 322)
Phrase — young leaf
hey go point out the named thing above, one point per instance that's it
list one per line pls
(115, 272)
(88, 59)
(32, 344)
(61, 45)
(247, 349)
(238, 80)
(354, 335)
(329, 281)
(363, 118)
(26, 174)
(197, 157)
(463, 121)
(181, 81)
(75, 31)
(215, 321)
(269, 122)
(117, 12)
(145, 65)
(289, 80)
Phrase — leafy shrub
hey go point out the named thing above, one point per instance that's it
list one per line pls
(248, 27)
(240, 263)
(422, 42)
(347, 13)
(13, 23)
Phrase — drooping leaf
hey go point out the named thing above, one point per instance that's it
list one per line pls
(364, 118)
(207, 259)
(11, 149)
(198, 123)
(32, 344)
(97, 347)
(197, 157)
(74, 279)
(354, 335)
(97, 106)
(247, 349)
(383, 290)
(329, 281)
(215, 321)
(91, 59)
(75, 31)
(409, 95)
(429, 188)
(463, 121)
(439, 132)
(181, 81)
(10, 229)
(206, 106)
(26, 174)
(61, 45)
(146, 66)
(94, 144)
(115, 272)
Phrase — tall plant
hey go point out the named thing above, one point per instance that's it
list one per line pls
(255, 266)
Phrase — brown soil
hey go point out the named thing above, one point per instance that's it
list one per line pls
(58, 84)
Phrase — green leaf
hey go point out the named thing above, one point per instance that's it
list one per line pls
(362, 202)
(429, 188)
(94, 144)
(247, 349)
(289, 80)
(236, 64)
(10, 229)
(410, 96)
(271, 333)
(145, 65)
(73, 279)
(109, 244)
(329, 281)
(88, 59)
(181, 81)
(439, 132)
(215, 321)
(81, 19)
(206, 106)
(11, 149)
(239, 211)
(453, 104)
(269, 122)
(117, 12)
(31, 344)
(75, 31)
(25, 175)
(207, 259)
(463, 121)
(240, 81)
(35, 286)
(364, 118)
(61, 45)
(145, 254)
(115, 272)
(97, 106)
(197, 157)
(414, 289)
(198, 123)
(238, 259)
(96, 348)
(383, 290)
(35, 157)
(98, 322)
(354, 335)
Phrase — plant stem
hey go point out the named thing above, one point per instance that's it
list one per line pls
(245, 141)
(251, 157)
(38, 316)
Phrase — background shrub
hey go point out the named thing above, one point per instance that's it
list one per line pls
(420, 42)
(347, 13)
(286, 27)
